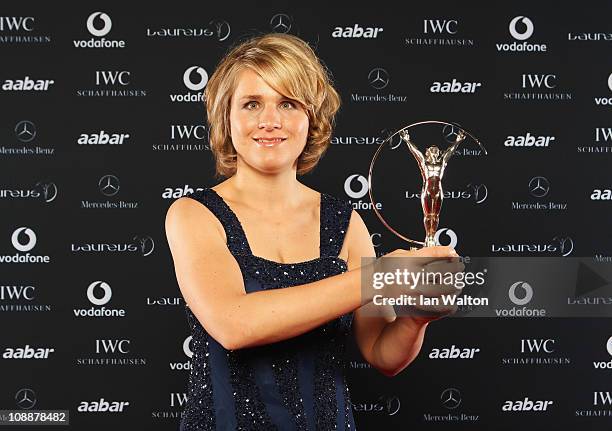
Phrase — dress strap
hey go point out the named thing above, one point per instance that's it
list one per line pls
(236, 238)
(335, 218)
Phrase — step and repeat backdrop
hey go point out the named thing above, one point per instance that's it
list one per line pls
(103, 125)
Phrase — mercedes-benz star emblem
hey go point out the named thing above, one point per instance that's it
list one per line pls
(450, 133)
(378, 78)
(451, 398)
(539, 187)
(280, 23)
(109, 185)
(25, 131)
(25, 398)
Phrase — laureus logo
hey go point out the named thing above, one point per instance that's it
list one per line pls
(146, 245)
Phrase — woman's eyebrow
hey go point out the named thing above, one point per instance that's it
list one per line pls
(251, 96)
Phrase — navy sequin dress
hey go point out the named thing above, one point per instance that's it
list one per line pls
(295, 384)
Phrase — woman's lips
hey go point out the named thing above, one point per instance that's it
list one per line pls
(268, 142)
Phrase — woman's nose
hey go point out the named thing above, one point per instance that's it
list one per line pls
(269, 118)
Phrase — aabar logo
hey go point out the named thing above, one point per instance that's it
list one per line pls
(454, 86)
(27, 352)
(453, 353)
(526, 405)
(27, 84)
(356, 32)
(102, 406)
(528, 140)
(601, 195)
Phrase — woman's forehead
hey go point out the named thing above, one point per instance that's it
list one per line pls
(250, 85)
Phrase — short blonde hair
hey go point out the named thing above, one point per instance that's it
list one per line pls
(288, 65)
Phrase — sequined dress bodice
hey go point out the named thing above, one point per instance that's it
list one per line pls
(295, 384)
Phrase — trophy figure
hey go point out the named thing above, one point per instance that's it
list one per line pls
(432, 166)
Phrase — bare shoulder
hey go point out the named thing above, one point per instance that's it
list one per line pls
(187, 214)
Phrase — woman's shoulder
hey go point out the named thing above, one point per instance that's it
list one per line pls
(193, 210)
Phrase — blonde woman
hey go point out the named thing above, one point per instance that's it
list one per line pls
(268, 267)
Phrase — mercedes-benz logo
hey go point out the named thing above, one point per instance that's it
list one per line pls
(221, 28)
(378, 78)
(25, 398)
(48, 190)
(281, 23)
(25, 131)
(450, 133)
(451, 398)
(109, 185)
(145, 244)
(539, 187)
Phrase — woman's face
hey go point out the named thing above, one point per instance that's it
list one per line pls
(268, 130)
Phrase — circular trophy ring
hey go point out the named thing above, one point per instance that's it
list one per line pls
(390, 139)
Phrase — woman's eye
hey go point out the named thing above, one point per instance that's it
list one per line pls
(251, 105)
(288, 105)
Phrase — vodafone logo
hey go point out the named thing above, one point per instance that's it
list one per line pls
(610, 82)
(199, 85)
(528, 293)
(107, 24)
(524, 35)
(29, 245)
(108, 293)
(349, 186)
(187, 347)
(452, 243)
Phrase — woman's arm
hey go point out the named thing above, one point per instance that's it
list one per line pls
(211, 283)
(387, 342)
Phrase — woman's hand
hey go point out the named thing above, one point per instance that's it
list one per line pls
(423, 279)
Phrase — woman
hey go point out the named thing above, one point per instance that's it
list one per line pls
(268, 267)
